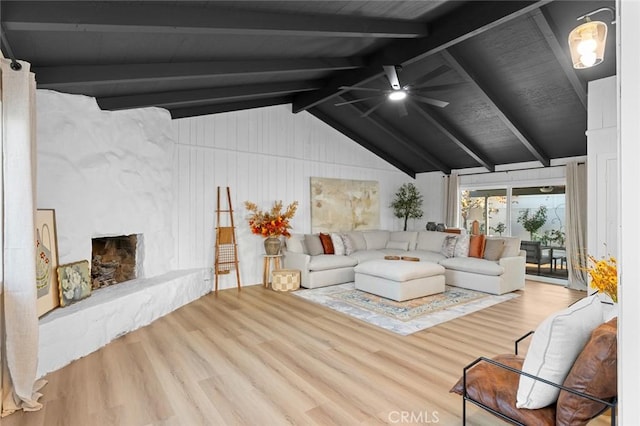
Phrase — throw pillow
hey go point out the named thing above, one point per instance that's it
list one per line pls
(327, 245)
(476, 246)
(398, 245)
(449, 245)
(555, 345)
(462, 246)
(594, 373)
(338, 245)
(348, 245)
(493, 248)
(313, 244)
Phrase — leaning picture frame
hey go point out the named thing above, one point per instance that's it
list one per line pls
(74, 282)
(46, 261)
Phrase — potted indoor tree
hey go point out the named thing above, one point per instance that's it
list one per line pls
(408, 203)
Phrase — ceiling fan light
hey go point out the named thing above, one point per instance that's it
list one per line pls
(587, 43)
(397, 95)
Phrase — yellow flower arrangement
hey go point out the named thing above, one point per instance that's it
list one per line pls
(271, 223)
(604, 275)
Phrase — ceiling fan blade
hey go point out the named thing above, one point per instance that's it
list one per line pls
(373, 108)
(430, 75)
(426, 86)
(430, 101)
(402, 109)
(367, 89)
(356, 100)
(392, 76)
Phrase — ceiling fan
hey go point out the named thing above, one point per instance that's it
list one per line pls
(415, 91)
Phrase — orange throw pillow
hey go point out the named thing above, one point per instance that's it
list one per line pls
(327, 245)
(476, 246)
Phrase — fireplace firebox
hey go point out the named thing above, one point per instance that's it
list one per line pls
(113, 260)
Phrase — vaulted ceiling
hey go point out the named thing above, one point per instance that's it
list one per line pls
(501, 67)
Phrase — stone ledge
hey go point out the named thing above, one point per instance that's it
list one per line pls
(67, 334)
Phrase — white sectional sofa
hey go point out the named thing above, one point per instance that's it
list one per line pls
(504, 274)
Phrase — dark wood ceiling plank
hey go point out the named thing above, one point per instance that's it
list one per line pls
(470, 19)
(228, 107)
(185, 19)
(73, 75)
(408, 144)
(364, 142)
(185, 98)
(452, 134)
(458, 65)
(561, 55)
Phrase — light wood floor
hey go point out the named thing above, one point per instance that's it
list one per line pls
(258, 357)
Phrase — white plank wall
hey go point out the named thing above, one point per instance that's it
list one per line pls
(263, 155)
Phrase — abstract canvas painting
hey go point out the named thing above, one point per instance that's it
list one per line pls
(344, 205)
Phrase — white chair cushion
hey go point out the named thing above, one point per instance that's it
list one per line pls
(357, 240)
(398, 245)
(430, 240)
(409, 236)
(555, 345)
(473, 265)
(295, 244)
(399, 270)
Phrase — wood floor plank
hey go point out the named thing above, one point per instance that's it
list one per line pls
(264, 357)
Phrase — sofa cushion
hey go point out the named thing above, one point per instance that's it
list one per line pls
(364, 255)
(430, 240)
(295, 244)
(496, 387)
(409, 236)
(473, 265)
(594, 373)
(397, 245)
(493, 248)
(449, 245)
(338, 244)
(357, 240)
(327, 245)
(325, 262)
(426, 256)
(376, 240)
(476, 246)
(555, 345)
(462, 246)
(511, 246)
(313, 244)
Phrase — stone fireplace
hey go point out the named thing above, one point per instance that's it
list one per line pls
(113, 260)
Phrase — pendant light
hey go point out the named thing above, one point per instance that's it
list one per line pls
(588, 40)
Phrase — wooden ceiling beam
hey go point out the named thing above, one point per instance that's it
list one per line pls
(55, 77)
(468, 20)
(204, 18)
(535, 150)
(364, 142)
(228, 107)
(452, 134)
(411, 145)
(561, 55)
(192, 98)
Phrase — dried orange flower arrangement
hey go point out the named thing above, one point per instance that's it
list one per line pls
(604, 275)
(271, 223)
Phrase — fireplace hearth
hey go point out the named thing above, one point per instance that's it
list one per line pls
(113, 260)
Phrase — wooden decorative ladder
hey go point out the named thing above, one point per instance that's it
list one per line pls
(226, 255)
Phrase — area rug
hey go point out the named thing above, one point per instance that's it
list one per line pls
(402, 317)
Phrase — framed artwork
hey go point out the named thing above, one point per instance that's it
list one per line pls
(74, 282)
(344, 205)
(46, 261)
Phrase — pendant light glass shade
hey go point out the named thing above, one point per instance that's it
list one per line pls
(587, 42)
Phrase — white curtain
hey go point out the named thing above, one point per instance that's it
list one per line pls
(18, 315)
(576, 197)
(452, 188)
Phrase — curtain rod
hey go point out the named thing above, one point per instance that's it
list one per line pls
(15, 65)
(513, 170)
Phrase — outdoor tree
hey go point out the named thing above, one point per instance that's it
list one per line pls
(499, 228)
(533, 222)
(408, 203)
(466, 204)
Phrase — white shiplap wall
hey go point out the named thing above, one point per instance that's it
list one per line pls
(263, 155)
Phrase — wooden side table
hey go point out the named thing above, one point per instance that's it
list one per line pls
(267, 267)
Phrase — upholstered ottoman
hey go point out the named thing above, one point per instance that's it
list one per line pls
(399, 280)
